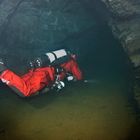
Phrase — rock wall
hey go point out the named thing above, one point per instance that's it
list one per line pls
(124, 20)
(31, 27)
(125, 24)
(26, 25)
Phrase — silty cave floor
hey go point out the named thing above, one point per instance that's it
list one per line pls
(89, 111)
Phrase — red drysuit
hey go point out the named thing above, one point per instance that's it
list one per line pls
(37, 79)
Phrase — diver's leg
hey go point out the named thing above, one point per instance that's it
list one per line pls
(16, 83)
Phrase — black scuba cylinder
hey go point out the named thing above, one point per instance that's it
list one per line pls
(54, 58)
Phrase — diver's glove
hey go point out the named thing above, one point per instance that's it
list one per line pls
(70, 77)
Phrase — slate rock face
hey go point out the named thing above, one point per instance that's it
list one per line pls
(31, 27)
(124, 21)
(125, 24)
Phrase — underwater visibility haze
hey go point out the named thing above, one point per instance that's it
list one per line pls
(100, 109)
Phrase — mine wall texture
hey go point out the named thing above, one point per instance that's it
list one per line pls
(124, 21)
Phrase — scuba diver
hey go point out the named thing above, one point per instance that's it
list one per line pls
(47, 72)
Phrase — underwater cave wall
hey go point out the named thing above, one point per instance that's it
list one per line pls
(29, 28)
(124, 21)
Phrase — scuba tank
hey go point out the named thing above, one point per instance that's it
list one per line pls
(58, 57)
(54, 55)
(53, 58)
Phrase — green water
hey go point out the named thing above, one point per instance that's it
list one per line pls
(93, 111)
(99, 112)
